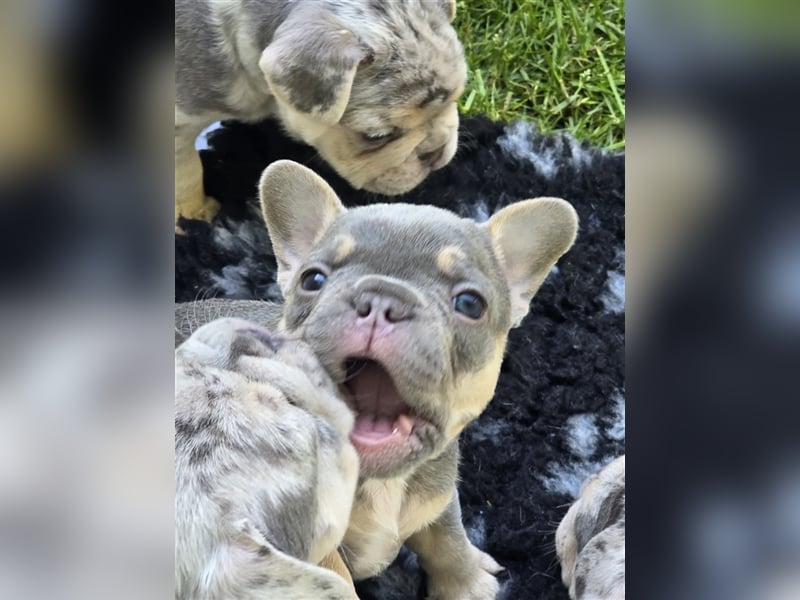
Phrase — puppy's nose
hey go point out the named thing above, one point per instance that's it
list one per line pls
(384, 300)
(382, 308)
(431, 158)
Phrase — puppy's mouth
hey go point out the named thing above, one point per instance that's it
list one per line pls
(387, 431)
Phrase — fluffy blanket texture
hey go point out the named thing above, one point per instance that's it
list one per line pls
(559, 409)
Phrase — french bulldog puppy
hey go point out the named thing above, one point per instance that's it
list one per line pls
(590, 540)
(370, 84)
(408, 309)
(264, 471)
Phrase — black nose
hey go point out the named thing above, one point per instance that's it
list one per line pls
(431, 158)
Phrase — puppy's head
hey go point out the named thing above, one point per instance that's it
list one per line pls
(407, 306)
(372, 86)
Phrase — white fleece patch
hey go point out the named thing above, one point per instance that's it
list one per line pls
(616, 428)
(613, 297)
(518, 141)
(582, 434)
(568, 479)
(201, 143)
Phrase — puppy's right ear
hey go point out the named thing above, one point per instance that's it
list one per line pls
(311, 63)
(298, 207)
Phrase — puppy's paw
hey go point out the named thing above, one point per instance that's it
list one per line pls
(476, 581)
(198, 207)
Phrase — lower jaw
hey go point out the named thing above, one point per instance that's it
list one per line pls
(376, 464)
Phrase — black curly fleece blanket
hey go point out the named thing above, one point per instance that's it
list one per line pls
(558, 413)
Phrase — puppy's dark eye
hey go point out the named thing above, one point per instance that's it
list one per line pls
(470, 305)
(313, 280)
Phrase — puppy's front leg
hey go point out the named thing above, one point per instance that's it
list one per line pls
(191, 201)
(456, 569)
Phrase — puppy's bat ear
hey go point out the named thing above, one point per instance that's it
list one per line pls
(298, 207)
(449, 7)
(311, 63)
(528, 238)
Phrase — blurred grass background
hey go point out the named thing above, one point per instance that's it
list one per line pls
(559, 63)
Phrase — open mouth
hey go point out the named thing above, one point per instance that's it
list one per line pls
(385, 427)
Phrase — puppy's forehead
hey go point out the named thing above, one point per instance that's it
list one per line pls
(418, 59)
(395, 238)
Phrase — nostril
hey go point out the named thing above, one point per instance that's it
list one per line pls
(395, 314)
(431, 158)
(363, 307)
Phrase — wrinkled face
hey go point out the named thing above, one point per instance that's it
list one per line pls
(390, 150)
(400, 121)
(411, 320)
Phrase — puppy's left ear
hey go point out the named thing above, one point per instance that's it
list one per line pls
(298, 207)
(528, 238)
(311, 63)
(449, 7)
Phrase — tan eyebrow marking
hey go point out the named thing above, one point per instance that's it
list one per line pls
(448, 260)
(345, 244)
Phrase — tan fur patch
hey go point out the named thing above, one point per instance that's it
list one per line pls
(345, 244)
(421, 511)
(448, 258)
(472, 391)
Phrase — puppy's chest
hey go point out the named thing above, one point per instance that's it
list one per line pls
(384, 516)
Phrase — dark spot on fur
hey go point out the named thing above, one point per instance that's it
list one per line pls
(200, 452)
(580, 586)
(601, 546)
(413, 29)
(287, 525)
(587, 526)
(308, 91)
(612, 507)
(259, 581)
(379, 6)
(323, 585)
(186, 429)
(435, 93)
(264, 551)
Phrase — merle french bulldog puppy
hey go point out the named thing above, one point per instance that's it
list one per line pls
(370, 84)
(264, 471)
(408, 309)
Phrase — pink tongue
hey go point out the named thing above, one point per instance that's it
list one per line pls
(375, 394)
(375, 429)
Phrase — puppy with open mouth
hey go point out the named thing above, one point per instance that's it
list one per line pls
(370, 84)
(408, 309)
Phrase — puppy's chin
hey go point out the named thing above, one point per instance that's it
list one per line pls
(391, 453)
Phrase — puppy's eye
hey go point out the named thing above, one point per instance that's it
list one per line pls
(378, 138)
(313, 280)
(470, 305)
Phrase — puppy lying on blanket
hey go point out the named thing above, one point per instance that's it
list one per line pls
(371, 84)
(590, 540)
(408, 308)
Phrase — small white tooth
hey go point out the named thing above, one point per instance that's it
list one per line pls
(395, 430)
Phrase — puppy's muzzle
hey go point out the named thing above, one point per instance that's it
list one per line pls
(429, 159)
(384, 300)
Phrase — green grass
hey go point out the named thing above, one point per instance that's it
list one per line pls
(560, 63)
